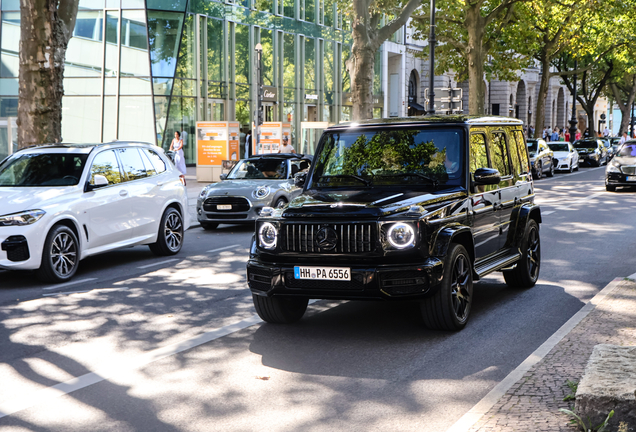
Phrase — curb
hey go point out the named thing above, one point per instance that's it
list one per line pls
(482, 407)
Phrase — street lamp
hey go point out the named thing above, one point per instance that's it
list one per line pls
(631, 122)
(431, 72)
(573, 119)
(259, 97)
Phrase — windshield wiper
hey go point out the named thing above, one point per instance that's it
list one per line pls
(433, 181)
(366, 182)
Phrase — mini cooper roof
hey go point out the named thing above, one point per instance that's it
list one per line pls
(431, 120)
(281, 156)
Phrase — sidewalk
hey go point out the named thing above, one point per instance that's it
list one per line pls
(532, 403)
(194, 189)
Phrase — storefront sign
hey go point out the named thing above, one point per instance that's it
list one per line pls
(270, 94)
(378, 102)
(270, 138)
(212, 140)
(233, 147)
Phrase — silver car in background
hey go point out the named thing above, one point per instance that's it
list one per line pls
(252, 184)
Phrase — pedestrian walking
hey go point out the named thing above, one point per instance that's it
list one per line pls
(577, 136)
(286, 147)
(531, 131)
(248, 143)
(176, 146)
(555, 135)
(623, 139)
(566, 135)
(606, 132)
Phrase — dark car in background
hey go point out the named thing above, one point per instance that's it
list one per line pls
(592, 152)
(615, 144)
(540, 158)
(621, 171)
(608, 145)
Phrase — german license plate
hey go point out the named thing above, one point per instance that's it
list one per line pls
(631, 178)
(581, 160)
(224, 207)
(323, 273)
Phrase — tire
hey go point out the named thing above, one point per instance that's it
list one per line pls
(170, 236)
(449, 308)
(280, 310)
(551, 171)
(209, 226)
(571, 167)
(280, 203)
(610, 188)
(538, 170)
(577, 166)
(60, 257)
(526, 273)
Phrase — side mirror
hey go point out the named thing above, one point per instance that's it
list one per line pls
(223, 177)
(300, 179)
(487, 176)
(98, 182)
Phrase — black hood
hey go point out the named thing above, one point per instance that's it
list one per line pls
(367, 203)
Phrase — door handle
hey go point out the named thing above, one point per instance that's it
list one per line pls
(123, 193)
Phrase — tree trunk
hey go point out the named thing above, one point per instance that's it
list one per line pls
(539, 119)
(475, 57)
(624, 107)
(589, 110)
(45, 32)
(360, 67)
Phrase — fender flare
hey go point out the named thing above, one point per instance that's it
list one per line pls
(448, 234)
(522, 215)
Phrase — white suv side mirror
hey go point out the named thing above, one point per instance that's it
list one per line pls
(99, 181)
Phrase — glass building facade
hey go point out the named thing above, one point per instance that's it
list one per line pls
(143, 69)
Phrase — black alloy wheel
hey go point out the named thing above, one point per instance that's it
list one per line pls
(280, 310)
(170, 236)
(209, 226)
(526, 273)
(449, 308)
(60, 256)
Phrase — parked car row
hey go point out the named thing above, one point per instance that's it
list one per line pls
(549, 157)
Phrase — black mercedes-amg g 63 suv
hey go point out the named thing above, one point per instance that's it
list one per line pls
(413, 208)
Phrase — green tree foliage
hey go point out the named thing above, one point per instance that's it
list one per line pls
(480, 39)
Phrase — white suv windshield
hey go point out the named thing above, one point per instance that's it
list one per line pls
(42, 169)
(390, 157)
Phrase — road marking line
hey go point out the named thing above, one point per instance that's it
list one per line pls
(482, 407)
(547, 213)
(569, 206)
(64, 293)
(158, 263)
(223, 248)
(15, 405)
(69, 284)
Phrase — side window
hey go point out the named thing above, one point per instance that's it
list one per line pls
(523, 151)
(157, 162)
(514, 155)
(499, 153)
(478, 153)
(105, 164)
(132, 163)
(150, 169)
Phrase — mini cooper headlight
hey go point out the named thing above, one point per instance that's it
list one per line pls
(261, 192)
(268, 235)
(204, 193)
(401, 235)
(22, 218)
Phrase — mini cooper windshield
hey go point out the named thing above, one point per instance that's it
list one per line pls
(366, 158)
(42, 169)
(262, 168)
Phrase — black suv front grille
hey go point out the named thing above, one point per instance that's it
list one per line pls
(345, 238)
(239, 204)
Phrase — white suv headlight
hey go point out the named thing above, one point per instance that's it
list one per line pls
(401, 235)
(268, 235)
(22, 218)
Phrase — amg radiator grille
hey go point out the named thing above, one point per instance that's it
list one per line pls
(343, 238)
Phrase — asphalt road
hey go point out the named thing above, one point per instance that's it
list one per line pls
(140, 343)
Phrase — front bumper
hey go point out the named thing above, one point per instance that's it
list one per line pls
(21, 246)
(619, 179)
(380, 282)
(591, 159)
(233, 216)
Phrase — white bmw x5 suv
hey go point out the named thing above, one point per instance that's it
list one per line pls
(60, 203)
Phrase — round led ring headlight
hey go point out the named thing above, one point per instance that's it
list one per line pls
(401, 236)
(268, 235)
(261, 192)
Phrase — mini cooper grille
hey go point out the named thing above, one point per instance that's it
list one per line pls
(349, 238)
(629, 170)
(239, 204)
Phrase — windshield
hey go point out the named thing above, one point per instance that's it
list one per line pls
(262, 168)
(533, 145)
(559, 147)
(364, 158)
(585, 144)
(42, 169)
(628, 150)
